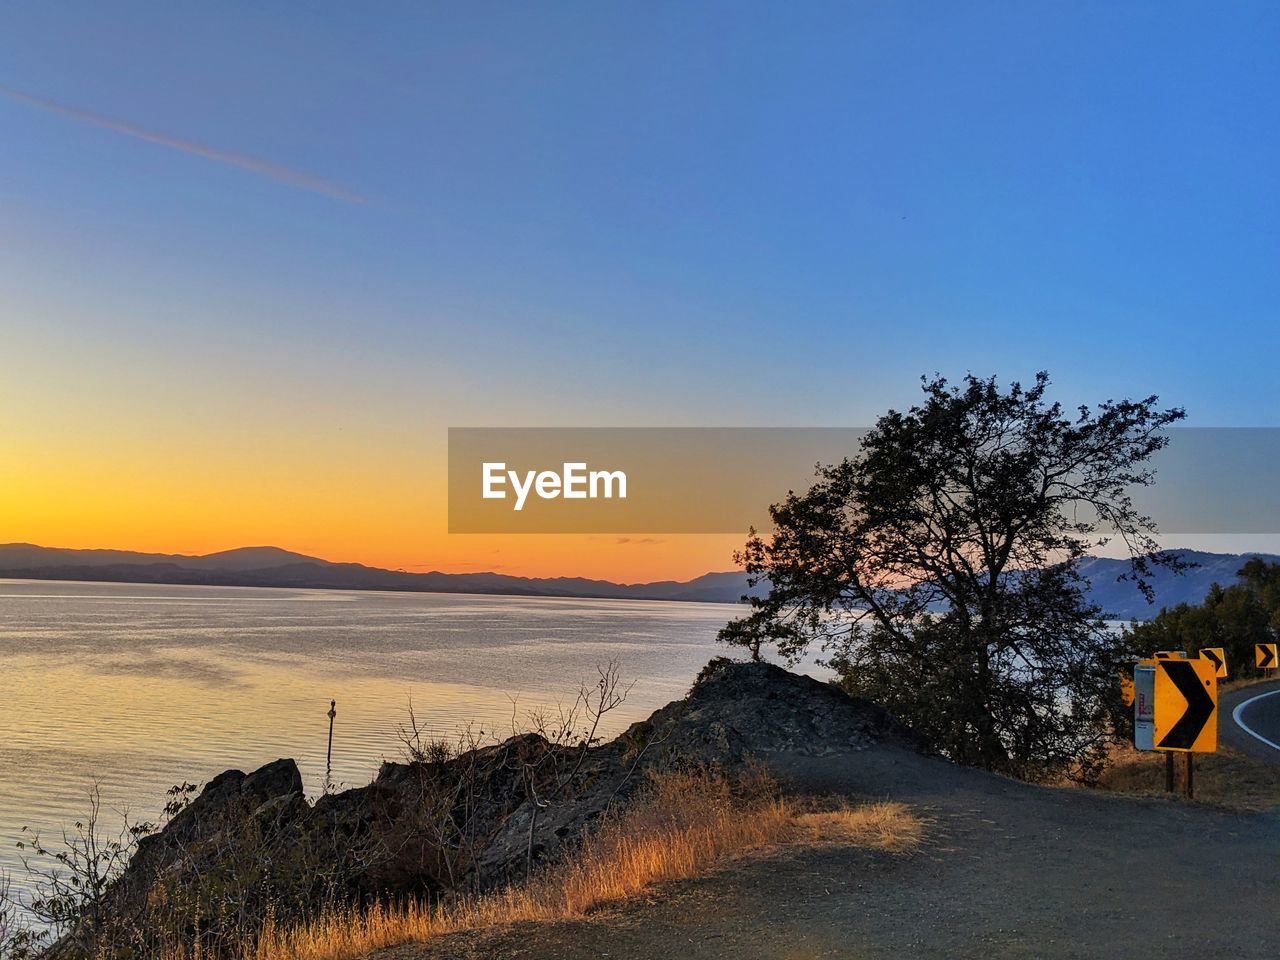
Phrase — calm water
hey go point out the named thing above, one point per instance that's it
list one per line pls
(140, 687)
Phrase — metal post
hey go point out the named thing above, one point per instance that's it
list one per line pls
(328, 760)
(1168, 772)
(1191, 772)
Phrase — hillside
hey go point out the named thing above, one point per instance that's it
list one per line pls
(274, 567)
(1011, 870)
(1122, 601)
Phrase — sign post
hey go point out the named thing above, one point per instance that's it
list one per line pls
(1175, 710)
(328, 760)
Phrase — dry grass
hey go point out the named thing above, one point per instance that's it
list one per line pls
(686, 824)
(1227, 686)
(1227, 778)
(885, 826)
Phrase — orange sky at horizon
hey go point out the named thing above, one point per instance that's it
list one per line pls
(621, 558)
(104, 495)
(105, 444)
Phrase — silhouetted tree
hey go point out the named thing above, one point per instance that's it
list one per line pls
(938, 571)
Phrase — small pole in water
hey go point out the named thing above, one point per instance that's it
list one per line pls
(328, 760)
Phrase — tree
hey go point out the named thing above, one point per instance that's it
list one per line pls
(1262, 580)
(1234, 617)
(938, 571)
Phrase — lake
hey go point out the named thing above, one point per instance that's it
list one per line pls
(139, 687)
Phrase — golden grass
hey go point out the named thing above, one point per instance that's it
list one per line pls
(1226, 686)
(686, 824)
(1227, 778)
(886, 826)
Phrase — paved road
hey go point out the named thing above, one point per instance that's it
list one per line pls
(1012, 872)
(1250, 720)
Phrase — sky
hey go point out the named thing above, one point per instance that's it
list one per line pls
(256, 259)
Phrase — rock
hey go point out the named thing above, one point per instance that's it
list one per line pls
(741, 710)
(734, 713)
(274, 780)
(479, 819)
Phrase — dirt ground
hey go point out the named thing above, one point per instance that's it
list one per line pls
(1011, 871)
(1229, 778)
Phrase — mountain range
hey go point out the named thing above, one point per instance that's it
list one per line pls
(274, 567)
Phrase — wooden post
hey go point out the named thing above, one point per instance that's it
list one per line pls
(328, 760)
(1191, 774)
(1168, 772)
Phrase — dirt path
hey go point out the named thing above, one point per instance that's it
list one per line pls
(1013, 871)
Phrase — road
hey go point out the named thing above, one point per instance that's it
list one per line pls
(1250, 720)
(1011, 872)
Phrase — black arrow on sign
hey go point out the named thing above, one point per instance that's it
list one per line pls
(1213, 658)
(1268, 655)
(1200, 705)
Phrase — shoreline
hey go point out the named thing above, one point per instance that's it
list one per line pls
(27, 577)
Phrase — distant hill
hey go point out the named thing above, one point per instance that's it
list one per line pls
(1123, 601)
(241, 558)
(273, 567)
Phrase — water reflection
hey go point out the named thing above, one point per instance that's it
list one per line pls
(141, 687)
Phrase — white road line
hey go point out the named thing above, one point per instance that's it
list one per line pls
(1235, 715)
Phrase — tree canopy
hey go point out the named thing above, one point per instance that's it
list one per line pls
(1234, 617)
(937, 571)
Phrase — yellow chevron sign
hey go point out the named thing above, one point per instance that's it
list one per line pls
(1186, 714)
(1218, 657)
(1266, 653)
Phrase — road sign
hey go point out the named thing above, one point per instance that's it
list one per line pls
(1171, 654)
(1144, 705)
(1266, 653)
(1218, 657)
(1126, 688)
(1186, 714)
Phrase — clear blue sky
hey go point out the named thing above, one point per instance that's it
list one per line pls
(659, 213)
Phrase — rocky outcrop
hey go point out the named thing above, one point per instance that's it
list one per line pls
(735, 713)
(477, 819)
(738, 711)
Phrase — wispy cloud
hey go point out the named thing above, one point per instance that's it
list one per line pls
(264, 168)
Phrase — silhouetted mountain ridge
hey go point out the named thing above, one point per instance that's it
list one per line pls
(274, 567)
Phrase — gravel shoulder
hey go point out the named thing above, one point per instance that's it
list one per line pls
(1011, 870)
